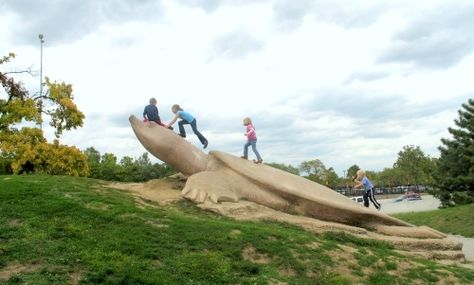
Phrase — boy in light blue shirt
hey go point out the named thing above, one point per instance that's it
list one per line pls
(362, 181)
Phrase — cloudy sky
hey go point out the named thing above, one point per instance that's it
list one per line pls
(346, 82)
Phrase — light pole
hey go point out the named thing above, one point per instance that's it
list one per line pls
(40, 103)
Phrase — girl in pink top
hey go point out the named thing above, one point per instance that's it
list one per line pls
(251, 140)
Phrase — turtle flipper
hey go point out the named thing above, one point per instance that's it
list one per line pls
(209, 185)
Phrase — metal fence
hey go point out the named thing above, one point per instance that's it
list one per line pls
(384, 190)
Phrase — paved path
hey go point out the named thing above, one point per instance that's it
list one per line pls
(428, 202)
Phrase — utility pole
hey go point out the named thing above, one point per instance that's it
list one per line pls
(40, 103)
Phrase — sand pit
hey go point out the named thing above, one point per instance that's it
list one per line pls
(161, 191)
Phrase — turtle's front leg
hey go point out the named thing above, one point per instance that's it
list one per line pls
(225, 186)
(209, 185)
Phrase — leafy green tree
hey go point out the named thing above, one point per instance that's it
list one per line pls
(93, 161)
(108, 167)
(454, 177)
(414, 166)
(26, 150)
(288, 168)
(389, 177)
(105, 167)
(331, 178)
(315, 170)
(351, 172)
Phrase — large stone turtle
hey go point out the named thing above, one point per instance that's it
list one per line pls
(220, 177)
(219, 181)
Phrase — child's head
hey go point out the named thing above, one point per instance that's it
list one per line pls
(175, 108)
(247, 121)
(360, 174)
(153, 101)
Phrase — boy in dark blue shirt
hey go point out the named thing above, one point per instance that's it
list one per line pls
(151, 112)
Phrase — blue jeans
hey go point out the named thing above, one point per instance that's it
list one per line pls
(252, 143)
(193, 124)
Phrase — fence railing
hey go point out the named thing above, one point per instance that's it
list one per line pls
(384, 190)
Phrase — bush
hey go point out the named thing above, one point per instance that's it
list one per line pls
(463, 198)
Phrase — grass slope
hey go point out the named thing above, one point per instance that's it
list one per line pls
(66, 230)
(457, 220)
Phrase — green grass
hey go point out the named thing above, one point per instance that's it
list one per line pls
(65, 230)
(456, 220)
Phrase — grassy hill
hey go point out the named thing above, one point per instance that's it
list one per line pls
(458, 220)
(66, 230)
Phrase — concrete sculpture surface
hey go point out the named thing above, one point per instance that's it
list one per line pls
(219, 177)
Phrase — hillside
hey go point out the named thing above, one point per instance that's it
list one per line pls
(65, 230)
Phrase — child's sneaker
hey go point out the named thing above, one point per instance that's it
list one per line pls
(243, 157)
(258, 161)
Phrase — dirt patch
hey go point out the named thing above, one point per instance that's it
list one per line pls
(75, 278)
(162, 191)
(15, 268)
(250, 254)
(286, 272)
(156, 224)
(14, 223)
(97, 206)
(235, 233)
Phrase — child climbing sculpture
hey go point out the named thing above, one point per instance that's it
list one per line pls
(186, 118)
(362, 181)
(151, 114)
(251, 140)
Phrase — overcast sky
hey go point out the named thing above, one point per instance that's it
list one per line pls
(346, 82)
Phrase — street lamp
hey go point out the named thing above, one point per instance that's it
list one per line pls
(40, 103)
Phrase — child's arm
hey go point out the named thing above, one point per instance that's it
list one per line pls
(250, 132)
(357, 184)
(173, 121)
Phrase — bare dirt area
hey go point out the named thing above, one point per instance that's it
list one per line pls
(161, 191)
(16, 268)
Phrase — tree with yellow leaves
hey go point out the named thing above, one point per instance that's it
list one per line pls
(26, 150)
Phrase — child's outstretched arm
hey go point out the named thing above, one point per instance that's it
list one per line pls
(173, 121)
(357, 184)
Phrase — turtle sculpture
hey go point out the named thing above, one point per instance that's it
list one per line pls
(219, 177)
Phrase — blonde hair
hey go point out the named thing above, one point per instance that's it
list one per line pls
(153, 100)
(247, 121)
(175, 108)
(360, 173)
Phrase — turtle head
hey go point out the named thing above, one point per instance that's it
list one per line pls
(169, 147)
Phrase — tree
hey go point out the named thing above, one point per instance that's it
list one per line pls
(318, 172)
(26, 149)
(288, 168)
(331, 178)
(454, 178)
(93, 161)
(414, 166)
(127, 170)
(351, 172)
(315, 169)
